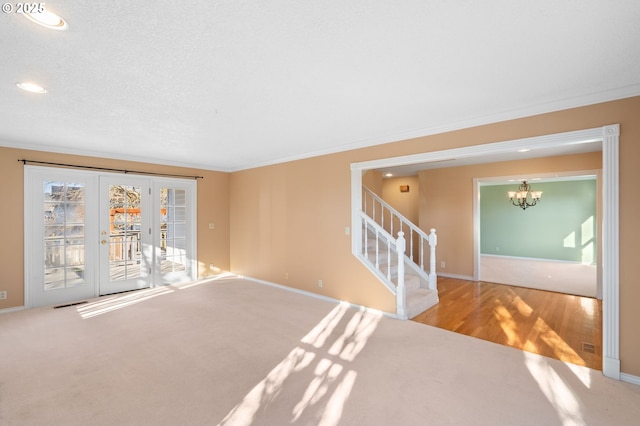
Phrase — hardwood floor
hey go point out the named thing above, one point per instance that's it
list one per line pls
(560, 326)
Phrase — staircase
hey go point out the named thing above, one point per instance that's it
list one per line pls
(398, 265)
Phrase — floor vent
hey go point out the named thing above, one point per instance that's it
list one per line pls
(588, 347)
(69, 304)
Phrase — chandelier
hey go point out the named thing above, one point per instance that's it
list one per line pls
(524, 197)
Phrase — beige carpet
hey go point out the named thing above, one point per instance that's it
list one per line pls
(235, 352)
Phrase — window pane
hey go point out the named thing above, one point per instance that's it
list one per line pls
(180, 243)
(53, 256)
(180, 213)
(53, 278)
(74, 231)
(74, 213)
(180, 197)
(53, 232)
(75, 276)
(74, 255)
(53, 191)
(74, 192)
(180, 230)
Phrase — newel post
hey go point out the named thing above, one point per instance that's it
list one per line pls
(433, 277)
(401, 292)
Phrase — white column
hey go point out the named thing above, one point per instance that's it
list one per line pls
(610, 252)
(401, 294)
(433, 277)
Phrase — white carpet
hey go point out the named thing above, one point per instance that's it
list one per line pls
(235, 352)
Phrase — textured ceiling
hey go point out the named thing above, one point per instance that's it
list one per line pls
(229, 85)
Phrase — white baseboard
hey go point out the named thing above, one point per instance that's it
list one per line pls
(7, 310)
(635, 380)
(317, 296)
(455, 276)
(543, 274)
(611, 367)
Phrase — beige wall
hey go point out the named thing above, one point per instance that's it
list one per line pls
(290, 218)
(288, 226)
(407, 203)
(213, 206)
(446, 201)
(372, 179)
(285, 223)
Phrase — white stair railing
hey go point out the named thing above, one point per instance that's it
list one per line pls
(393, 221)
(385, 251)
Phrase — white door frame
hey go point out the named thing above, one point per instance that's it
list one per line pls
(544, 177)
(609, 136)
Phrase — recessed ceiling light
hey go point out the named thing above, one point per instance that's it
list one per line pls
(388, 175)
(48, 19)
(31, 87)
(524, 150)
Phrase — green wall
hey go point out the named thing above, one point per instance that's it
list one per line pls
(562, 226)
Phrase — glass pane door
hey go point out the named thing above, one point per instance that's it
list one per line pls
(60, 222)
(175, 253)
(125, 248)
(173, 218)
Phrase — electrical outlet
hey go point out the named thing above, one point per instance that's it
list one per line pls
(347, 230)
(443, 264)
(320, 283)
(286, 275)
(212, 226)
(3, 295)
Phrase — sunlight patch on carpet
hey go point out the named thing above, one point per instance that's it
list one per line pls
(208, 280)
(554, 388)
(113, 303)
(328, 348)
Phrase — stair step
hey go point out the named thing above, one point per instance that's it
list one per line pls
(411, 282)
(383, 259)
(419, 300)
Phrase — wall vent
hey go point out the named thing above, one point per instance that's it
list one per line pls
(69, 304)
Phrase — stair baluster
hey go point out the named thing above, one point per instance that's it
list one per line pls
(401, 295)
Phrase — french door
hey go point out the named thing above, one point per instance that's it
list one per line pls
(174, 228)
(104, 233)
(61, 213)
(126, 250)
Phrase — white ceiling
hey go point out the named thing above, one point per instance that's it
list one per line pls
(229, 85)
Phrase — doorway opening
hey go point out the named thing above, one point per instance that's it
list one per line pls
(608, 136)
